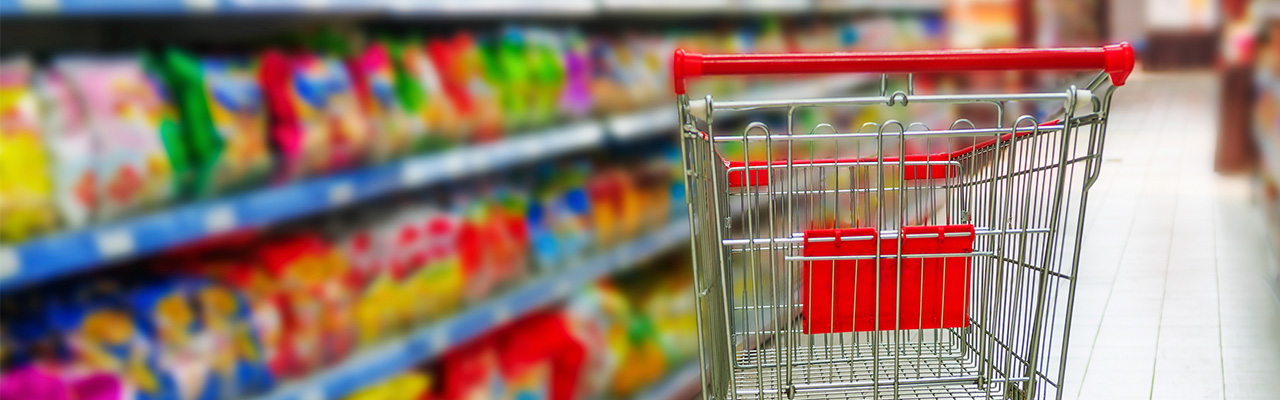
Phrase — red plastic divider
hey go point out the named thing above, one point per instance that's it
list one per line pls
(840, 296)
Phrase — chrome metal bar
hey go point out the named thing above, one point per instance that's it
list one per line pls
(948, 133)
(883, 99)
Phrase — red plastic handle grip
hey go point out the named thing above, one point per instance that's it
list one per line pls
(1116, 60)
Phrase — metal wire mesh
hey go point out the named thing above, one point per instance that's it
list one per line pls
(1012, 190)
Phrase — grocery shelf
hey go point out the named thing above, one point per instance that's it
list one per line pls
(286, 7)
(74, 251)
(381, 362)
(446, 8)
(681, 384)
(78, 250)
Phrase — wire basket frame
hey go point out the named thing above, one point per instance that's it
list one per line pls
(894, 260)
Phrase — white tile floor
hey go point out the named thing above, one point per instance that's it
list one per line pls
(1176, 297)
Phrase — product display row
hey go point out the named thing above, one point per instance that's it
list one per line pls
(93, 138)
(240, 318)
(309, 216)
(456, 8)
(610, 341)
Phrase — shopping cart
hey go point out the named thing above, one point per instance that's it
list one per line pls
(891, 259)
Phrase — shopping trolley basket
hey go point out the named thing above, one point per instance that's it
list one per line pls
(892, 258)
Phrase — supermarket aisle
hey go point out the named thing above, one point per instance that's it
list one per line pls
(1175, 298)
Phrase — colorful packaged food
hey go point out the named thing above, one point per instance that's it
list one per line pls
(27, 206)
(318, 327)
(224, 120)
(234, 342)
(70, 141)
(317, 124)
(461, 65)
(136, 142)
(397, 131)
(576, 100)
(104, 337)
(412, 385)
(421, 90)
(164, 313)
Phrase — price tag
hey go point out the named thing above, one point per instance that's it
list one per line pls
(562, 288)
(630, 253)
(481, 158)
(626, 126)
(114, 243)
(501, 314)
(535, 148)
(341, 193)
(220, 219)
(455, 165)
(439, 340)
(200, 5)
(588, 134)
(39, 6)
(414, 173)
(9, 265)
(313, 393)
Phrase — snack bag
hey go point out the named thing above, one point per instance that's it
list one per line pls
(472, 372)
(293, 145)
(130, 120)
(460, 63)
(39, 382)
(361, 252)
(318, 323)
(397, 131)
(443, 274)
(600, 318)
(317, 124)
(71, 146)
(608, 205)
(544, 244)
(413, 385)
(224, 118)
(421, 91)
(543, 55)
(164, 313)
(507, 70)
(239, 119)
(575, 98)
(104, 337)
(410, 270)
(236, 348)
(570, 207)
(27, 204)
(264, 318)
(381, 306)
(609, 78)
(553, 369)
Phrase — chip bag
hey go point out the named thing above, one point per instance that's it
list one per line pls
(26, 183)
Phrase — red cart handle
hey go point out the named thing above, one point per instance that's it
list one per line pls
(1116, 60)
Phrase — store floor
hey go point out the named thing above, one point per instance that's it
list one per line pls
(1177, 295)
